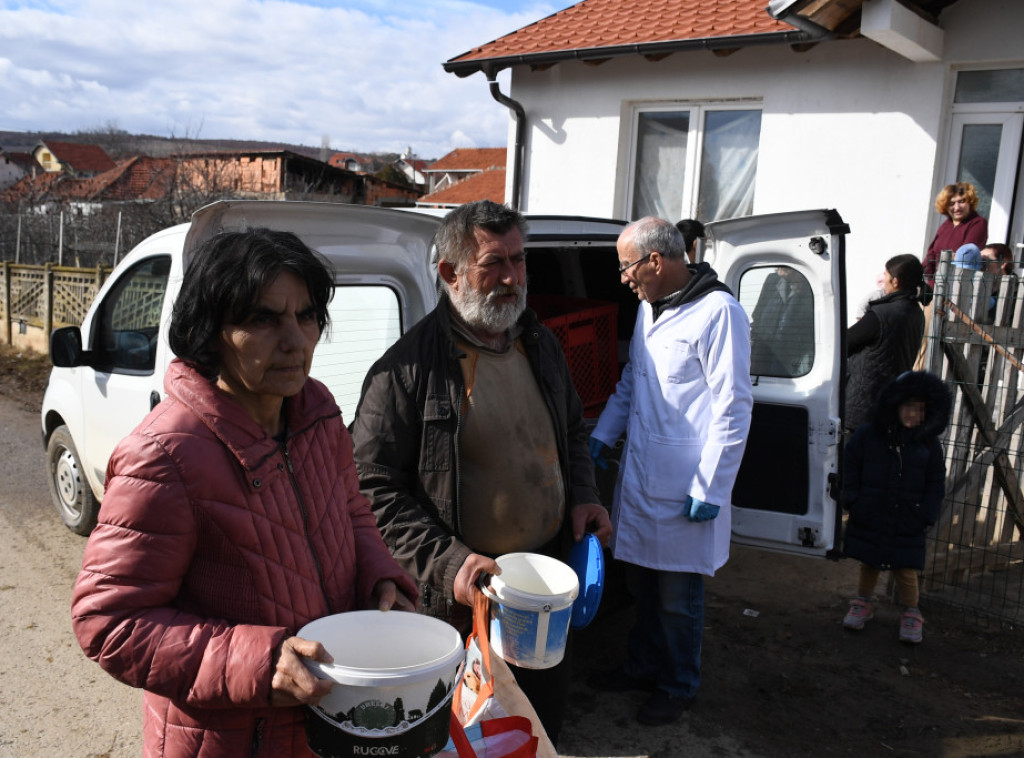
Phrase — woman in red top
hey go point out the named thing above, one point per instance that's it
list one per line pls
(958, 203)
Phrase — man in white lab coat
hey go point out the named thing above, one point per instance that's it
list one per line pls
(684, 402)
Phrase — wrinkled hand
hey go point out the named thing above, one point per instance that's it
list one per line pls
(465, 588)
(388, 596)
(598, 450)
(294, 684)
(698, 510)
(594, 516)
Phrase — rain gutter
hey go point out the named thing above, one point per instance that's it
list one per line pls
(519, 149)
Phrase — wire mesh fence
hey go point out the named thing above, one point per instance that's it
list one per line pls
(975, 342)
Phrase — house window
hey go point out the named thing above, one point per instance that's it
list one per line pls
(696, 161)
(995, 86)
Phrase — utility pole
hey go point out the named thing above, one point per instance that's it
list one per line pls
(117, 239)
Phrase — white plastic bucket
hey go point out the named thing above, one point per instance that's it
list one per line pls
(394, 674)
(531, 606)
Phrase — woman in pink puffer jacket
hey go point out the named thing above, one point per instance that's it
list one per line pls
(232, 515)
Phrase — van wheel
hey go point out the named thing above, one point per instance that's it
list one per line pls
(69, 488)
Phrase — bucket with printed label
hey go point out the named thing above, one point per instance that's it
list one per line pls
(531, 606)
(394, 675)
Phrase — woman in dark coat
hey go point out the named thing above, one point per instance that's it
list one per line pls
(884, 342)
(894, 482)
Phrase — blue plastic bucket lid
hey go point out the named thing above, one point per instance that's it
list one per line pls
(587, 559)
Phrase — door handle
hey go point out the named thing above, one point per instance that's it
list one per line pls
(154, 399)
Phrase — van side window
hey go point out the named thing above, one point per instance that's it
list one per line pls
(365, 321)
(128, 321)
(781, 307)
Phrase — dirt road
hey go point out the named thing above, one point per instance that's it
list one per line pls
(781, 677)
(53, 701)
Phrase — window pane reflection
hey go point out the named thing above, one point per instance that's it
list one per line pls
(660, 164)
(781, 307)
(979, 154)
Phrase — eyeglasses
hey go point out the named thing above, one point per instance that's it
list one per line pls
(623, 269)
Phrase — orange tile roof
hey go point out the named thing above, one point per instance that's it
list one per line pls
(487, 185)
(470, 159)
(618, 27)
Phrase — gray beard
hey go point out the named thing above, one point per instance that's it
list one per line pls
(479, 311)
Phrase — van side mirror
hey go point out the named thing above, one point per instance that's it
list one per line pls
(66, 347)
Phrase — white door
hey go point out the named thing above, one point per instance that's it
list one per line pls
(985, 151)
(785, 270)
(120, 383)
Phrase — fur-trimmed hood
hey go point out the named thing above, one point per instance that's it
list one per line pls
(910, 385)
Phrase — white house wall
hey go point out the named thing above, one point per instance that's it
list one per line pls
(846, 125)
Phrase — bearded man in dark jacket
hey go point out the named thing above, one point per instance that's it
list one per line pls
(469, 436)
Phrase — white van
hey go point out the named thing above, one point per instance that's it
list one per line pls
(108, 373)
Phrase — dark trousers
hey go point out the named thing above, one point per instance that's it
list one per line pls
(665, 642)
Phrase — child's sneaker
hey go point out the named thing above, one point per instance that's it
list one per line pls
(911, 626)
(861, 611)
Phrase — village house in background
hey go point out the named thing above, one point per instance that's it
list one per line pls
(406, 167)
(465, 175)
(58, 206)
(75, 205)
(72, 159)
(359, 164)
(412, 168)
(715, 108)
(14, 165)
(463, 163)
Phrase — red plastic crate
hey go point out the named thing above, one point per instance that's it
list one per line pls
(587, 331)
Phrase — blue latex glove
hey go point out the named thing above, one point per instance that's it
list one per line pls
(698, 510)
(597, 452)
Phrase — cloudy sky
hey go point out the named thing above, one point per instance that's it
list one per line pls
(364, 74)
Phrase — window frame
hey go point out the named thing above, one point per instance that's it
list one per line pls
(105, 358)
(697, 110)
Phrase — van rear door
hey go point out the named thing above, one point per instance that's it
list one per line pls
(785, 270)
(381, 264)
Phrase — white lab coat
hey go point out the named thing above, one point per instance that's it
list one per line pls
(684, 401)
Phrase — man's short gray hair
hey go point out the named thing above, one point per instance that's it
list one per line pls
(651, 234)
(456, 240)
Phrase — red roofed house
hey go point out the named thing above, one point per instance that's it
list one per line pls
(462, 163)
(138, 179)
(352, 162)
(716, 108)
(72, 158)
(483, 185)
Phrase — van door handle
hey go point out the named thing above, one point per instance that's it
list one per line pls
(154, 399)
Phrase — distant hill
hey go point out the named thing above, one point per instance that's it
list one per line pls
(119, 144)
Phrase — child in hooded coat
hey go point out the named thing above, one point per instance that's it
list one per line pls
(894, 482)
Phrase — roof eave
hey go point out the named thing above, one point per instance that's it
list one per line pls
(491, 66)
